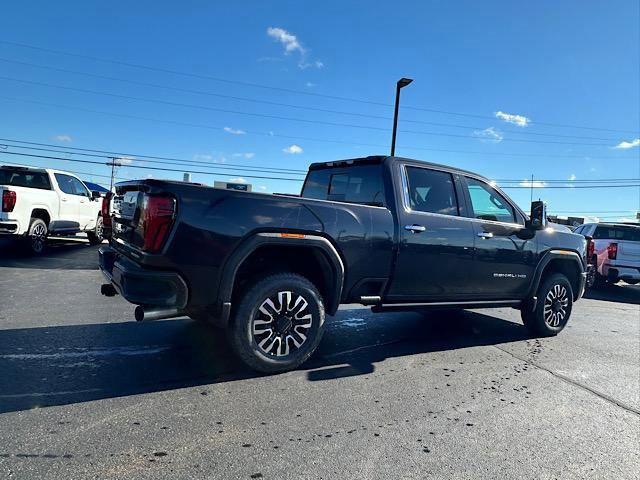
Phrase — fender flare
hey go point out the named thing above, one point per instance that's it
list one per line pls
(546, 259)
(248, 246)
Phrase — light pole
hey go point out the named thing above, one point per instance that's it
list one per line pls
(403, 82)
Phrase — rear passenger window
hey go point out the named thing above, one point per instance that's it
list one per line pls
(65, 182)
(358, 184)
(431, 191)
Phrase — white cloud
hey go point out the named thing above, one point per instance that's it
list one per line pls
(310, 85)
(63, 138)
(489, 135)
(288, 40)
(293, 149)
(247, 155)
(625, 145)
(234, 131)
(291, 44)
(572, 177)
(237, 180)
(203, 157)
(125, 160)
(534, 184)
(519, 120)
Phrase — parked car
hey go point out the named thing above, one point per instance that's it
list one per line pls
(615, 253)
(94, 187)
(388, 232)
(37, 202)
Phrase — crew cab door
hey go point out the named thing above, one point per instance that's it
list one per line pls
(503, 262)
(436, 240)
(87, 211)
(69, 217)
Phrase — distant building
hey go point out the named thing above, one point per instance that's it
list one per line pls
(242, 187)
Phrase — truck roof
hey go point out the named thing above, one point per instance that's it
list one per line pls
(374, 159)
(39, 169)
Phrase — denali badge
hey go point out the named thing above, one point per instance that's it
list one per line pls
(509, 275)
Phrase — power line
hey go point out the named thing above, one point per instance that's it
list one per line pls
(49, 157)
(287, 90)
(279, 117)
(178, 162)
(297, 137)
(288, 105)
(572, 186)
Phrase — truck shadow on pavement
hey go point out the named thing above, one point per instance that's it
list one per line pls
(61, 365)
(60, 253)
(615, 293)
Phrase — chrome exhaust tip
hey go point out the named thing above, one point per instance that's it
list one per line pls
(150, 313)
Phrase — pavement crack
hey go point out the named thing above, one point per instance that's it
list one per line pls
(573, 382)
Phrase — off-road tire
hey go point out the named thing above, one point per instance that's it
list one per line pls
(242, 328)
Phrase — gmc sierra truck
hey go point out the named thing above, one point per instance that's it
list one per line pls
(387, 232)
(37, 202)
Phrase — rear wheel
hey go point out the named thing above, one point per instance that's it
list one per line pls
(97, 235)
(278, 324)
(37, 236)
(553, 309)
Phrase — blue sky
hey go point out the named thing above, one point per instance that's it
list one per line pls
(539, 63)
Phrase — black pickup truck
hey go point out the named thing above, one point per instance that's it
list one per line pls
(388, 232)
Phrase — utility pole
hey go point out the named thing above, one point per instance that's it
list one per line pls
(403, 82)
(531, 200)
(113, 166)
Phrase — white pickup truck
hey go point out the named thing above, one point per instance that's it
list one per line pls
(37, 202)
(616, 251)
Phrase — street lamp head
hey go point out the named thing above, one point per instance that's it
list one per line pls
(403, 82)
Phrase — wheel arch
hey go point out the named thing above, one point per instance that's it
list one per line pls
(41, 213)
(312, 256)
(566, 262)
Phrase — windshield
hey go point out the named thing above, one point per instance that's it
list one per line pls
(18, 177)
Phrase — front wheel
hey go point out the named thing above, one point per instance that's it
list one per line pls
(278, 324)
(553, 309)
(96, 236)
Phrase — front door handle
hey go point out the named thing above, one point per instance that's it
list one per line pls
(415, 228)
(485, 235)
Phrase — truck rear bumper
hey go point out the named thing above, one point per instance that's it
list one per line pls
(141, 286)
(621, 272)
(7, 227)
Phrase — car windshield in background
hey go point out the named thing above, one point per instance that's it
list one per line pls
(618, 232)
(17, 177)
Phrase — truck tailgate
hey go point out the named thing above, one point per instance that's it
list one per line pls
(628, 251)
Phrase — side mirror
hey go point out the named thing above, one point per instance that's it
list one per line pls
(95, 195)
(538, 217)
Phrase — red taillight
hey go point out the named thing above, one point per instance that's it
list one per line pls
(8, 200)
(591, 248)
(104, 209)
(157, 217)
(612, 251)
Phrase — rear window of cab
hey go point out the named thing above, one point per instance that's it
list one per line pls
(18, 177)
(357, 184)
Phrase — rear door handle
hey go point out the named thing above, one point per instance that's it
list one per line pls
(415, 228)
(485, 235)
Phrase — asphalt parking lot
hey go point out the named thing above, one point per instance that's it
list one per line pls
(86, 392)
